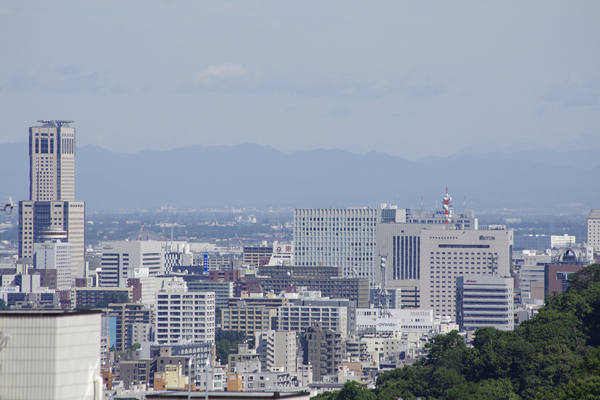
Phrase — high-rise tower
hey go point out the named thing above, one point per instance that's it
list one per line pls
(51, 203)
(52, 161)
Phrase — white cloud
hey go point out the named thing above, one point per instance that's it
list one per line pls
(219, 73)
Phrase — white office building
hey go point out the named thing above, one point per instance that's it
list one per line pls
(184, 316)
(448, 254)
(483, 301)
(120, 259)
(593, 229)
(52, 161)
(338, 237)
(38, 217)
(402, 320)
(51, 201)
(54, 254)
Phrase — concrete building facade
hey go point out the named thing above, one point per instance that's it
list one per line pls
(331, 237)
(448, 254)
(183, 315)
(121, 259)
(483, 301)
(593, 229)
(51, 354)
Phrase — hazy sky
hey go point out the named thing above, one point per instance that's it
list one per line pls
(410, 78)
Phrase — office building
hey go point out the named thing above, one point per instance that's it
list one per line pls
(50, 354)
(324, 349)
(39, 218)
(338, 237)
(183, 315)
(593, 229)
(120, 260)
(542, 242)
(51, 201)
(483, 301)
(52, 161)
(556, 277)
(407, 320)
(531, 269)
(447, 254)
(54, 255)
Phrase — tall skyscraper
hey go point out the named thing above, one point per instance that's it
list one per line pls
(51, 203)
(52, 161)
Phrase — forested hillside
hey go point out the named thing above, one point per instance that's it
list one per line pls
(555, 355)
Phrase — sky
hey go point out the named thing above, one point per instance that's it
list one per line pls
(407, 78)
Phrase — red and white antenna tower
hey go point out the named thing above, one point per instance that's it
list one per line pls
(447, 206)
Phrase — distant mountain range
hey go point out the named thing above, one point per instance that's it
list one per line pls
(490, 177)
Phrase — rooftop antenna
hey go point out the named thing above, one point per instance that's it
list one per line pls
(383, 294)
(55, 122)
(493, 264)
(447, 206)
(421, 203)
(464, 205)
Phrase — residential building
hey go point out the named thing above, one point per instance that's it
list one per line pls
(121, 259)
(249, 319)
(483, 301)
(448, 254)
(92, 296)
(223, 290)
(324, 349)
(279, 348)
(51, 354)
(593, 229)
(126, 315)
(183, 315)
(257, 255)
(269, 300)
(275, 271)
(356, 289)
(325, 302)
(298, 318)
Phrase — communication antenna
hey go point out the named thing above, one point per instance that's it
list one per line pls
(493, 264)
(55, 122)
(383, 294)
(447, 206)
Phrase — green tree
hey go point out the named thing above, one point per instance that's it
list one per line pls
(3, 305)
(227, 342)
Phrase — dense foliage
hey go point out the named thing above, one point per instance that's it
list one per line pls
(553, 356)
(227, 342)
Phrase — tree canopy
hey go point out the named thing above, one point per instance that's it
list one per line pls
(553, 356)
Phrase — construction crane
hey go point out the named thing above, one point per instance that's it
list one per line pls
(141, 229)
